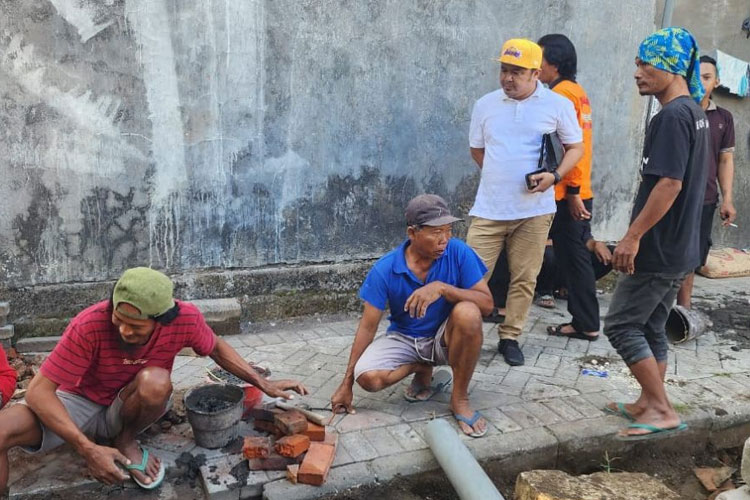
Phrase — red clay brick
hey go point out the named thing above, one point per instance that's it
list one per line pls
(291, 422)
(315, 432)
(291, 473)
(256, 447)
(265, 414)
(274, 461)
(292, 446)
(318, 460)
(269, 427)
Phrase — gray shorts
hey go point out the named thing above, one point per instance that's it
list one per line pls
(94, 420)
(394, 349)
(635, 323)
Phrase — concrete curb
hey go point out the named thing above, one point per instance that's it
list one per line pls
(576, 446)
(222, 315)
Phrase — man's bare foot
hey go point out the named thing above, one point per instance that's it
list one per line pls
(567, 330)
(460, 406)
(135, 453)
(422, 379)
(660, 419)
(630, 411)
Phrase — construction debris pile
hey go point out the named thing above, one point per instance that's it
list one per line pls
(301, 447)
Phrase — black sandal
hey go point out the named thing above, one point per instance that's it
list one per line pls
(494, 317)
(556, 331)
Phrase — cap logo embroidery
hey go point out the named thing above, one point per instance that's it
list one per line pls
(513, 52)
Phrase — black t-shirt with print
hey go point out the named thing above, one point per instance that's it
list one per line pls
(676, 146)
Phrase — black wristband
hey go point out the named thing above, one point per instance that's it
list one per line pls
(557, 176)
(573, 189)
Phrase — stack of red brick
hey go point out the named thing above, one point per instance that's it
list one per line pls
(304, 449)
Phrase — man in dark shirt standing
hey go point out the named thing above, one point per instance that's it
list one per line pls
(661, 245)
(720, 167)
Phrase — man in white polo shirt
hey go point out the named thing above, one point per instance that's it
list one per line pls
(507, 128)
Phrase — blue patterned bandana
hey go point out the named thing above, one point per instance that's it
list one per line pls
(676, 51)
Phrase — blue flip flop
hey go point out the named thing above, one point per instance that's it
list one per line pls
(440, 381)
(621, 411)
(141, 467)
(470, 422)
(654, 432)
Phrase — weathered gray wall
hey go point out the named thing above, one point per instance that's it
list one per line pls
(717, 25)
(200, 134)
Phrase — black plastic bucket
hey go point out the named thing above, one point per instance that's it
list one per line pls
(685, 324)
(214, 412)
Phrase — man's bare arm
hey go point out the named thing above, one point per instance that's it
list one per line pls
(368, 325)
(423, 297)
(230, 360)
(46, 405)
(658, 203)
(726, 179)
(573, 154)
(478, 155)
(479, 294)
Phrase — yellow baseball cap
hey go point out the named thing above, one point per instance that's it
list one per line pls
(521, 52)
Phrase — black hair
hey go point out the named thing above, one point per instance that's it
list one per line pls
(559, 51)
(710, 60)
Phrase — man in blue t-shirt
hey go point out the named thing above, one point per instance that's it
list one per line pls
(434, 288)
(662, 243)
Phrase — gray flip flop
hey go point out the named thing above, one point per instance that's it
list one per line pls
(441, 379)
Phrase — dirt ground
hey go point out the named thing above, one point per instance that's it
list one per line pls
(675, 470)
(731, 319)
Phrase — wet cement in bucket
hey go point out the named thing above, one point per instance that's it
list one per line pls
(211, 404)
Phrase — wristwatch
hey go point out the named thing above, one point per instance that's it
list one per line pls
(557, 176)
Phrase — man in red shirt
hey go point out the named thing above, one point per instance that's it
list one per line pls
(7, 380)
(109, 378)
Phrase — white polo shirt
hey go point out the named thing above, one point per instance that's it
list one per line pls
(510, 132)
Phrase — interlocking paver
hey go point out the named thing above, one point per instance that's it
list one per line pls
(500, 420)
(542, 413)
(563, 409)
(407, 437)
(522, 416)
(547, 400)
(383, 441)
(358, 446)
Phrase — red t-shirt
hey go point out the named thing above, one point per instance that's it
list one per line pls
(92, 361)
(7, 378)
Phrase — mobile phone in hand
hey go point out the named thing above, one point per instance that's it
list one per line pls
(532, 183)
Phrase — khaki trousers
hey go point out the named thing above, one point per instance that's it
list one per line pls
(524, 241)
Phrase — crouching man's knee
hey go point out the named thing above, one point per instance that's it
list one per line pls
(370, 382)
(467, 317)
(153, 385)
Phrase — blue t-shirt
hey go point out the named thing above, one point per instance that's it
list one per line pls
(390, 282)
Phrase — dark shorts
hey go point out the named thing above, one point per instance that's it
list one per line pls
(635, 323)
(707, 222)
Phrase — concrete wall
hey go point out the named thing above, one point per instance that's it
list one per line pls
(242, 134)
(717, 25)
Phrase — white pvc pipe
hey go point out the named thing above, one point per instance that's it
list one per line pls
(462, 469)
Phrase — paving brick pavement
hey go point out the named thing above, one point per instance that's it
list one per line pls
(547, 400)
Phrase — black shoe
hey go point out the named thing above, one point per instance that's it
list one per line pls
(511, 352)
(494, 317)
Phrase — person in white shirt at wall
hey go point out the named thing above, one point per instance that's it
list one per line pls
(505, 139)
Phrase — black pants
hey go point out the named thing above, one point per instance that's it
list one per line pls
(574, 261)
(549, 279)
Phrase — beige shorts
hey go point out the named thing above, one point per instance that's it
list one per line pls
(393, 349)
(94, 420)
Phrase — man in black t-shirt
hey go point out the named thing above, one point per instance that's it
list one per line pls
(661, 245)
(720, 166)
